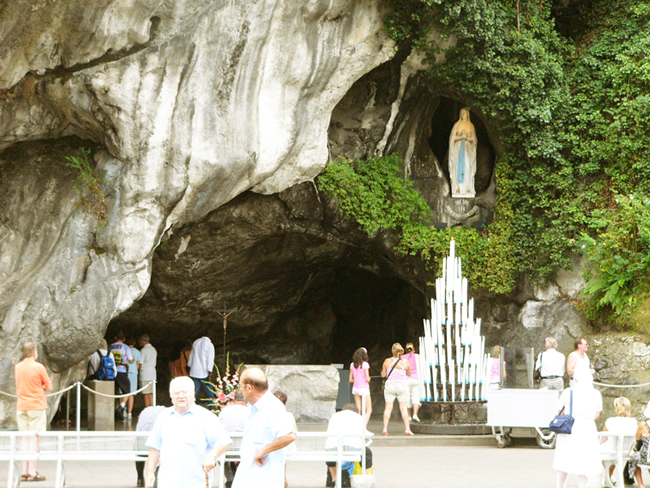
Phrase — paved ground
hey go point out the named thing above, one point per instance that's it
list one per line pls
(418, 462)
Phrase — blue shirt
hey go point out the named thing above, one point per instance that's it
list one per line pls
(122, 354)
(184, 441)
(266, 422)
(133, 367)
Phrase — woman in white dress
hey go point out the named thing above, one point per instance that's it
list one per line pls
(579, 452)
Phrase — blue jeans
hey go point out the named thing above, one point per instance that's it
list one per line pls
(207, 387)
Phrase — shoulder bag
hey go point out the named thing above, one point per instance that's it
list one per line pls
(383, 383)
(562, 424)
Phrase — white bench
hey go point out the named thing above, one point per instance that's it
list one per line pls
(310, 446)
(618, 459)
(61, 447)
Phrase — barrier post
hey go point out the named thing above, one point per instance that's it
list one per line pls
(339, 462)
(78, 417)
(154, 393)
(12, 460)
(363, 436)
(67, 410)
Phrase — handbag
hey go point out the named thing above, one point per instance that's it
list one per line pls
(383, 383)
(562, 424)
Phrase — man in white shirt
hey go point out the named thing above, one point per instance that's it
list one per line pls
(201, 363)
(266, 434)
(349, 423)
(187, 439)
(550, 364)
(148, 369)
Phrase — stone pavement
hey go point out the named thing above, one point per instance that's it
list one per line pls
(414, 462)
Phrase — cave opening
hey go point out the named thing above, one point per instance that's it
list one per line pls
(371, 311)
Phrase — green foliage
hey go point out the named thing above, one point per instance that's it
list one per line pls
(373, 194)
(378, 198)
(88, 186)
(572, 115)
(619, 256)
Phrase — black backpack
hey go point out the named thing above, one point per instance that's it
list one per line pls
(105, 370)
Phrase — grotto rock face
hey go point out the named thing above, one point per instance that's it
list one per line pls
(621, 359)
(187, 104)
(208, 123)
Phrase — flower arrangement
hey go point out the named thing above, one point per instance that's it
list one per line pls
(225, 386)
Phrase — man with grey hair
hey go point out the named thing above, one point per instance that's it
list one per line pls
(186, 439)
(550, 364)
(266, 434)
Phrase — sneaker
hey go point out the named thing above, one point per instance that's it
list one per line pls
(416, 418)
(140, 482)
(122, 411)
(129, 416)
(410, 419)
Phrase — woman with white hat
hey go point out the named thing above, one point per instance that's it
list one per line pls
(579, 452)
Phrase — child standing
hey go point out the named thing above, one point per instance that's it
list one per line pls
(360, 377)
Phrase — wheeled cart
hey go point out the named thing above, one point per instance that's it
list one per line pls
(522, 413)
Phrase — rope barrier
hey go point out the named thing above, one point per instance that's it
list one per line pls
(61, 391)
(117, 396)
(621, 386)
(47, 394)
(89, 389)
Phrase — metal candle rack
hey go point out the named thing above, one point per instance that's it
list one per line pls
(452, 358)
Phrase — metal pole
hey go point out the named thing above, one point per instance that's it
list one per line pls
(67, 410)
(78, 420)
(363, 437)
(154, 392)
(12, 460)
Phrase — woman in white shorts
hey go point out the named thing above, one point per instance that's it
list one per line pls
(396, 371)
(360, 379)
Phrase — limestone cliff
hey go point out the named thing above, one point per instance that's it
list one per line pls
(187, 105)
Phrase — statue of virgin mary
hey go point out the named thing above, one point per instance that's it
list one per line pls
(462, 157)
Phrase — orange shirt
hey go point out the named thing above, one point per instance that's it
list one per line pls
(32, 382)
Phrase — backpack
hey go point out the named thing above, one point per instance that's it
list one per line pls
(105, 371)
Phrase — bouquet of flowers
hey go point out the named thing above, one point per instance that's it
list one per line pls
(225, 386)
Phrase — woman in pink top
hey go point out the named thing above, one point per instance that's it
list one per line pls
(360, 378)
(413, 382)
(396, 371)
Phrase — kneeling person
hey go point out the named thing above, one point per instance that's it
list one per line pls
(187, 439)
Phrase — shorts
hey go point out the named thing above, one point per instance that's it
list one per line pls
(32, 420)
(133, 381)
(368, 456)
(122, 382)
(149, 389)
(361, 391)
(396, 389)
(413, 386)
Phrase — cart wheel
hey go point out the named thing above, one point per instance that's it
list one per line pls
(501, 442)
(509, 440)
(549, 442)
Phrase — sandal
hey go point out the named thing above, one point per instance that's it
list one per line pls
(408, 432)
(36, 477)
(24, 477)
